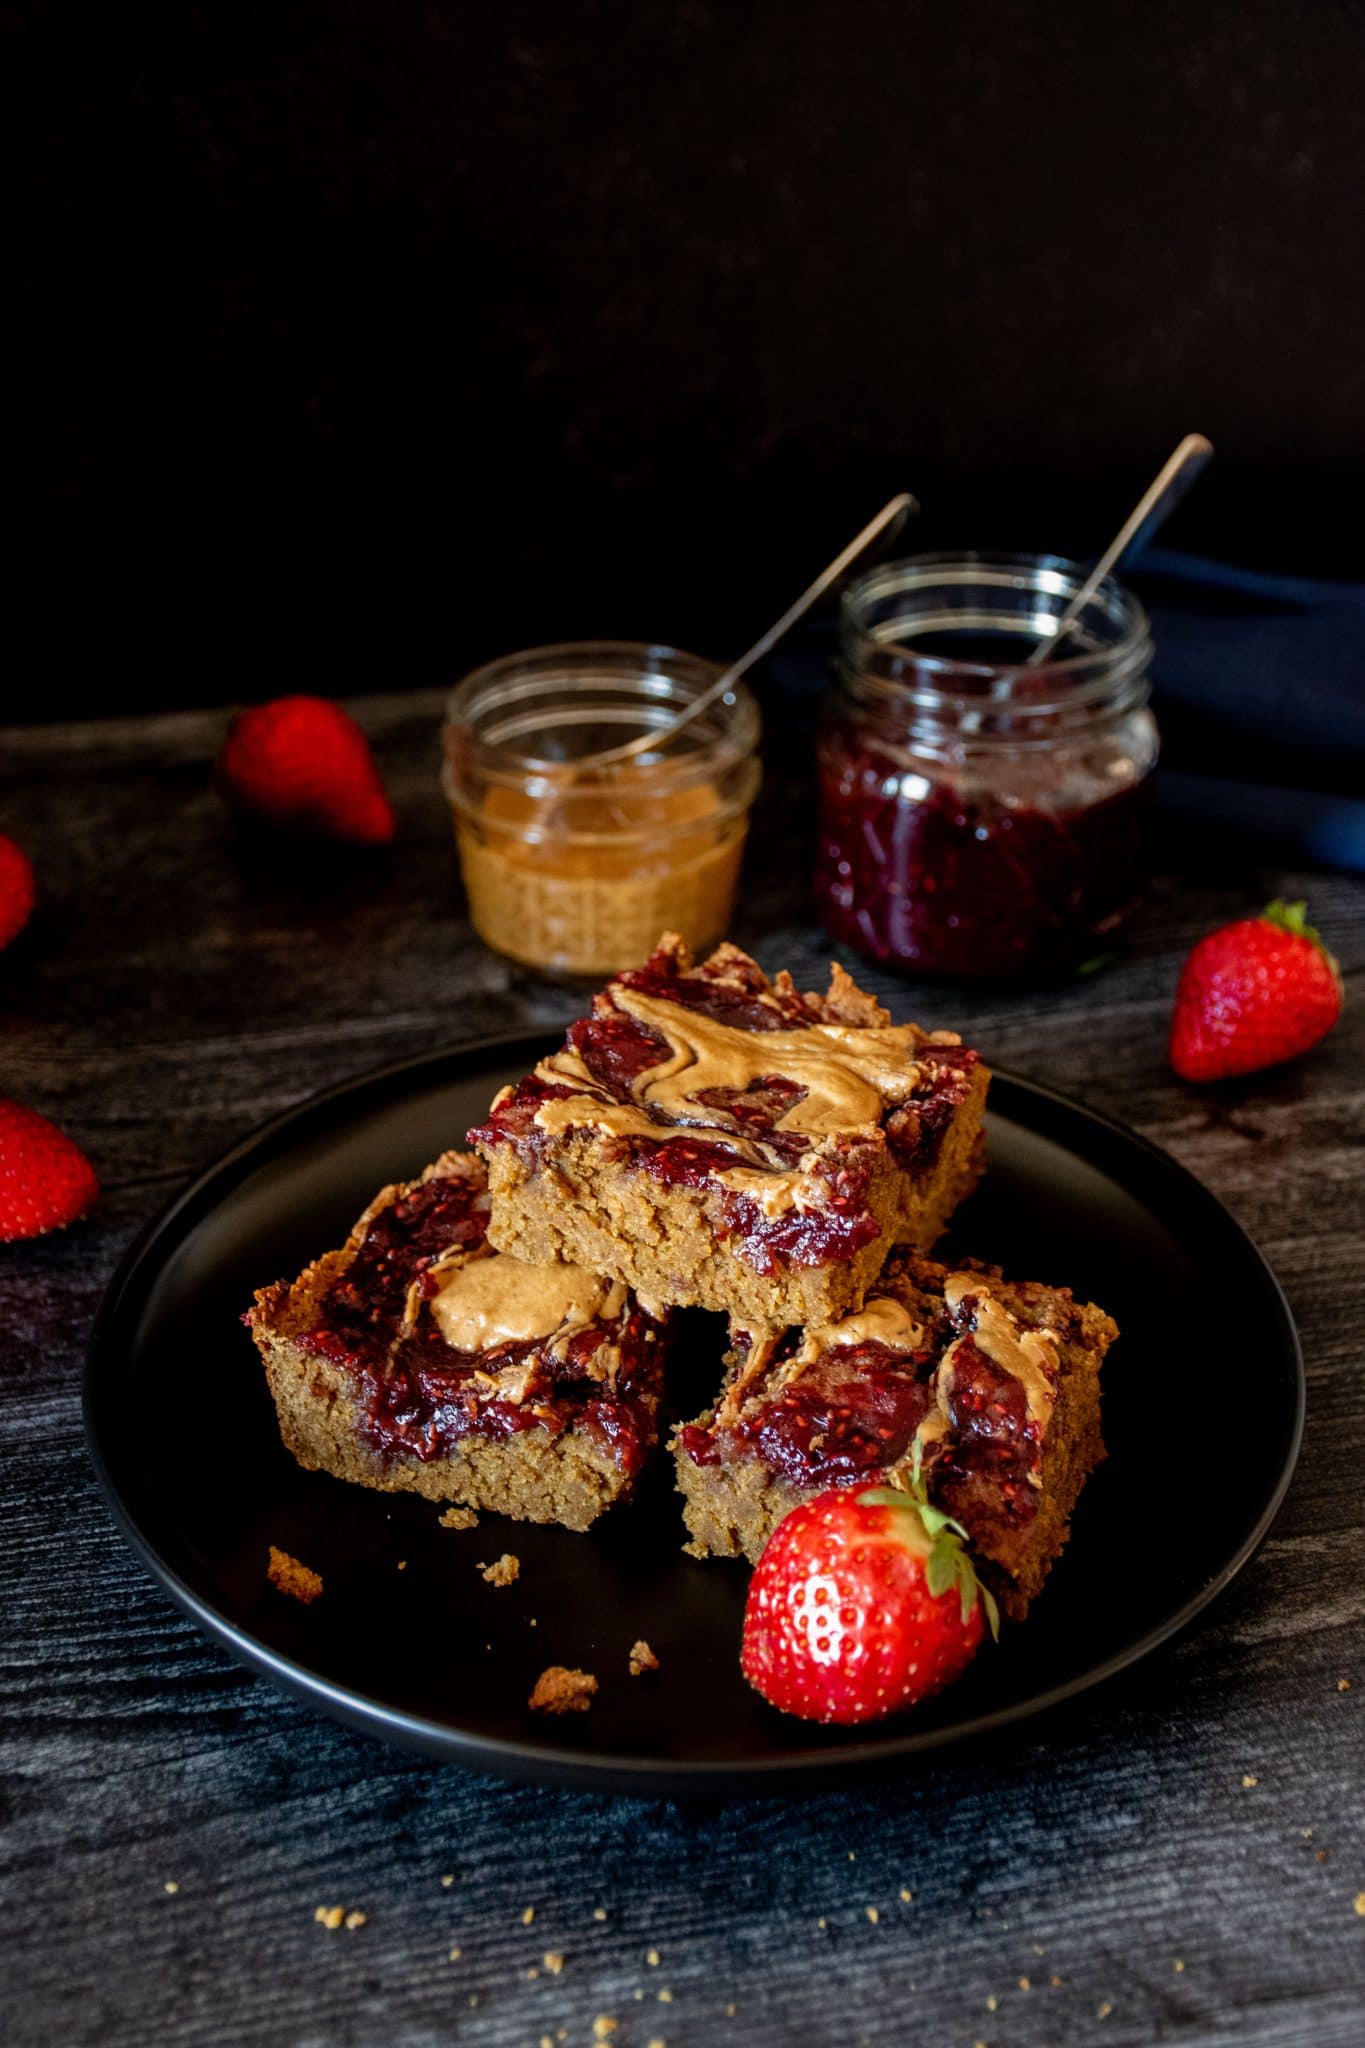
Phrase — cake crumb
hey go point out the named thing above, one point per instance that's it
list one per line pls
(1025, 1984)
(873, 1915)
(1319, 1855)
(458, 1518)
(599, 1912)
(547, 2041)
(1103, 2010)
(1360, 1905)
(642, 1659)
(652, 1958)
(1055, 1980)
(1038, 1948)
(729, 2012)
(560, 1690)
(992, 2002)
(657, 2041)
(603, 2027)
(553, 1961)
(402, 1564)
(665, 1998)
(447, 1882)
(455, 1954)
(1248, 1781)
(330, 1916)
(822, 1925)
(287, 1575)
(906, 1896)
(1178, 1966)
(504, 1571)
(528, 1915)
(1308, 1834)
(1343, 1685)
(354, 1920)
(170, 1885)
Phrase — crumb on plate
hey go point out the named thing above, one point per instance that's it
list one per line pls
(287, 1575)
(561, 1690)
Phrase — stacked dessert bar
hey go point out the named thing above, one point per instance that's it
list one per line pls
(496, 1332)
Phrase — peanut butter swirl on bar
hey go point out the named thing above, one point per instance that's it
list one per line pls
(771, 1095)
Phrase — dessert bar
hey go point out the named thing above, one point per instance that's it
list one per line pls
(418, 1358)
(991, 1386)
(715, 1139)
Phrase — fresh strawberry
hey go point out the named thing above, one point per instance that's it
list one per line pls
(16, 890)
(1252, 994)
(45, 1180)
(863, 1602)
(303, 763)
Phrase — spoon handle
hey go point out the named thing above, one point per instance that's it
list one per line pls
(892, 514)
(1155, 506)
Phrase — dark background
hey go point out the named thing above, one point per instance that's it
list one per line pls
(358, 341)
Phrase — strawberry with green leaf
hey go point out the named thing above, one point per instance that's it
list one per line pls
(864, 1601)
(1252, 994)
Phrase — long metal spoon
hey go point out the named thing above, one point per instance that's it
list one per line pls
(1152, 509)
(892, 515)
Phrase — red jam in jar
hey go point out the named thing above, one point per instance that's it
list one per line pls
(979, 819)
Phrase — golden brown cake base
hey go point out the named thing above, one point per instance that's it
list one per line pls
(714, 1138)
(668, 1243)
(534, 1477)
(369, 1386)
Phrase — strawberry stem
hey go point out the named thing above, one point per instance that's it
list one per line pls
(1292, 917)
(949, 1562)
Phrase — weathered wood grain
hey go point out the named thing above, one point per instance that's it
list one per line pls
(175, 989)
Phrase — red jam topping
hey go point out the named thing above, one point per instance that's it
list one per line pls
(856, 1411)
(851, 1414)
(971, 888)
(417, 1396)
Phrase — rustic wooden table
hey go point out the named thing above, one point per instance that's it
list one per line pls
(1179, 1858)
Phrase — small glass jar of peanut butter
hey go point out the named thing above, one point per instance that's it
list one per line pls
(576, 869)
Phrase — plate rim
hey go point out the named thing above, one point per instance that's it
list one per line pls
(595, 1771)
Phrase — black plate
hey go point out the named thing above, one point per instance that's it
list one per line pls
(183, 1436)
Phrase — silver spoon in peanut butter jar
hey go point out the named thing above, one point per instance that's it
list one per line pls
(889, 520)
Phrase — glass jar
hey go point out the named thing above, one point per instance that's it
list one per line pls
(979, 819)
(578, 871)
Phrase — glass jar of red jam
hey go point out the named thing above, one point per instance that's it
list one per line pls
(979, 819)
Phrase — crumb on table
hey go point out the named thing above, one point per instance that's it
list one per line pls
(287, 1575)
(559, 1690)
(503, 1570)
(642, 1659)
(459, 1518)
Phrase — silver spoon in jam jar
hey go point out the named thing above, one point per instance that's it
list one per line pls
(1152, 509)
(891, 517)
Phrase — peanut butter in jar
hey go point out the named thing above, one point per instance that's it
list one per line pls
(576, 870)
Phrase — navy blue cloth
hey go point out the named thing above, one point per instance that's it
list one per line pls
(1260, 691)
(1279, 659)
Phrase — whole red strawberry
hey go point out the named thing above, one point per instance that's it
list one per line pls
(1252, 994)
(16, 890)
(45, 1180)
(303, 763)
(863, 1602)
